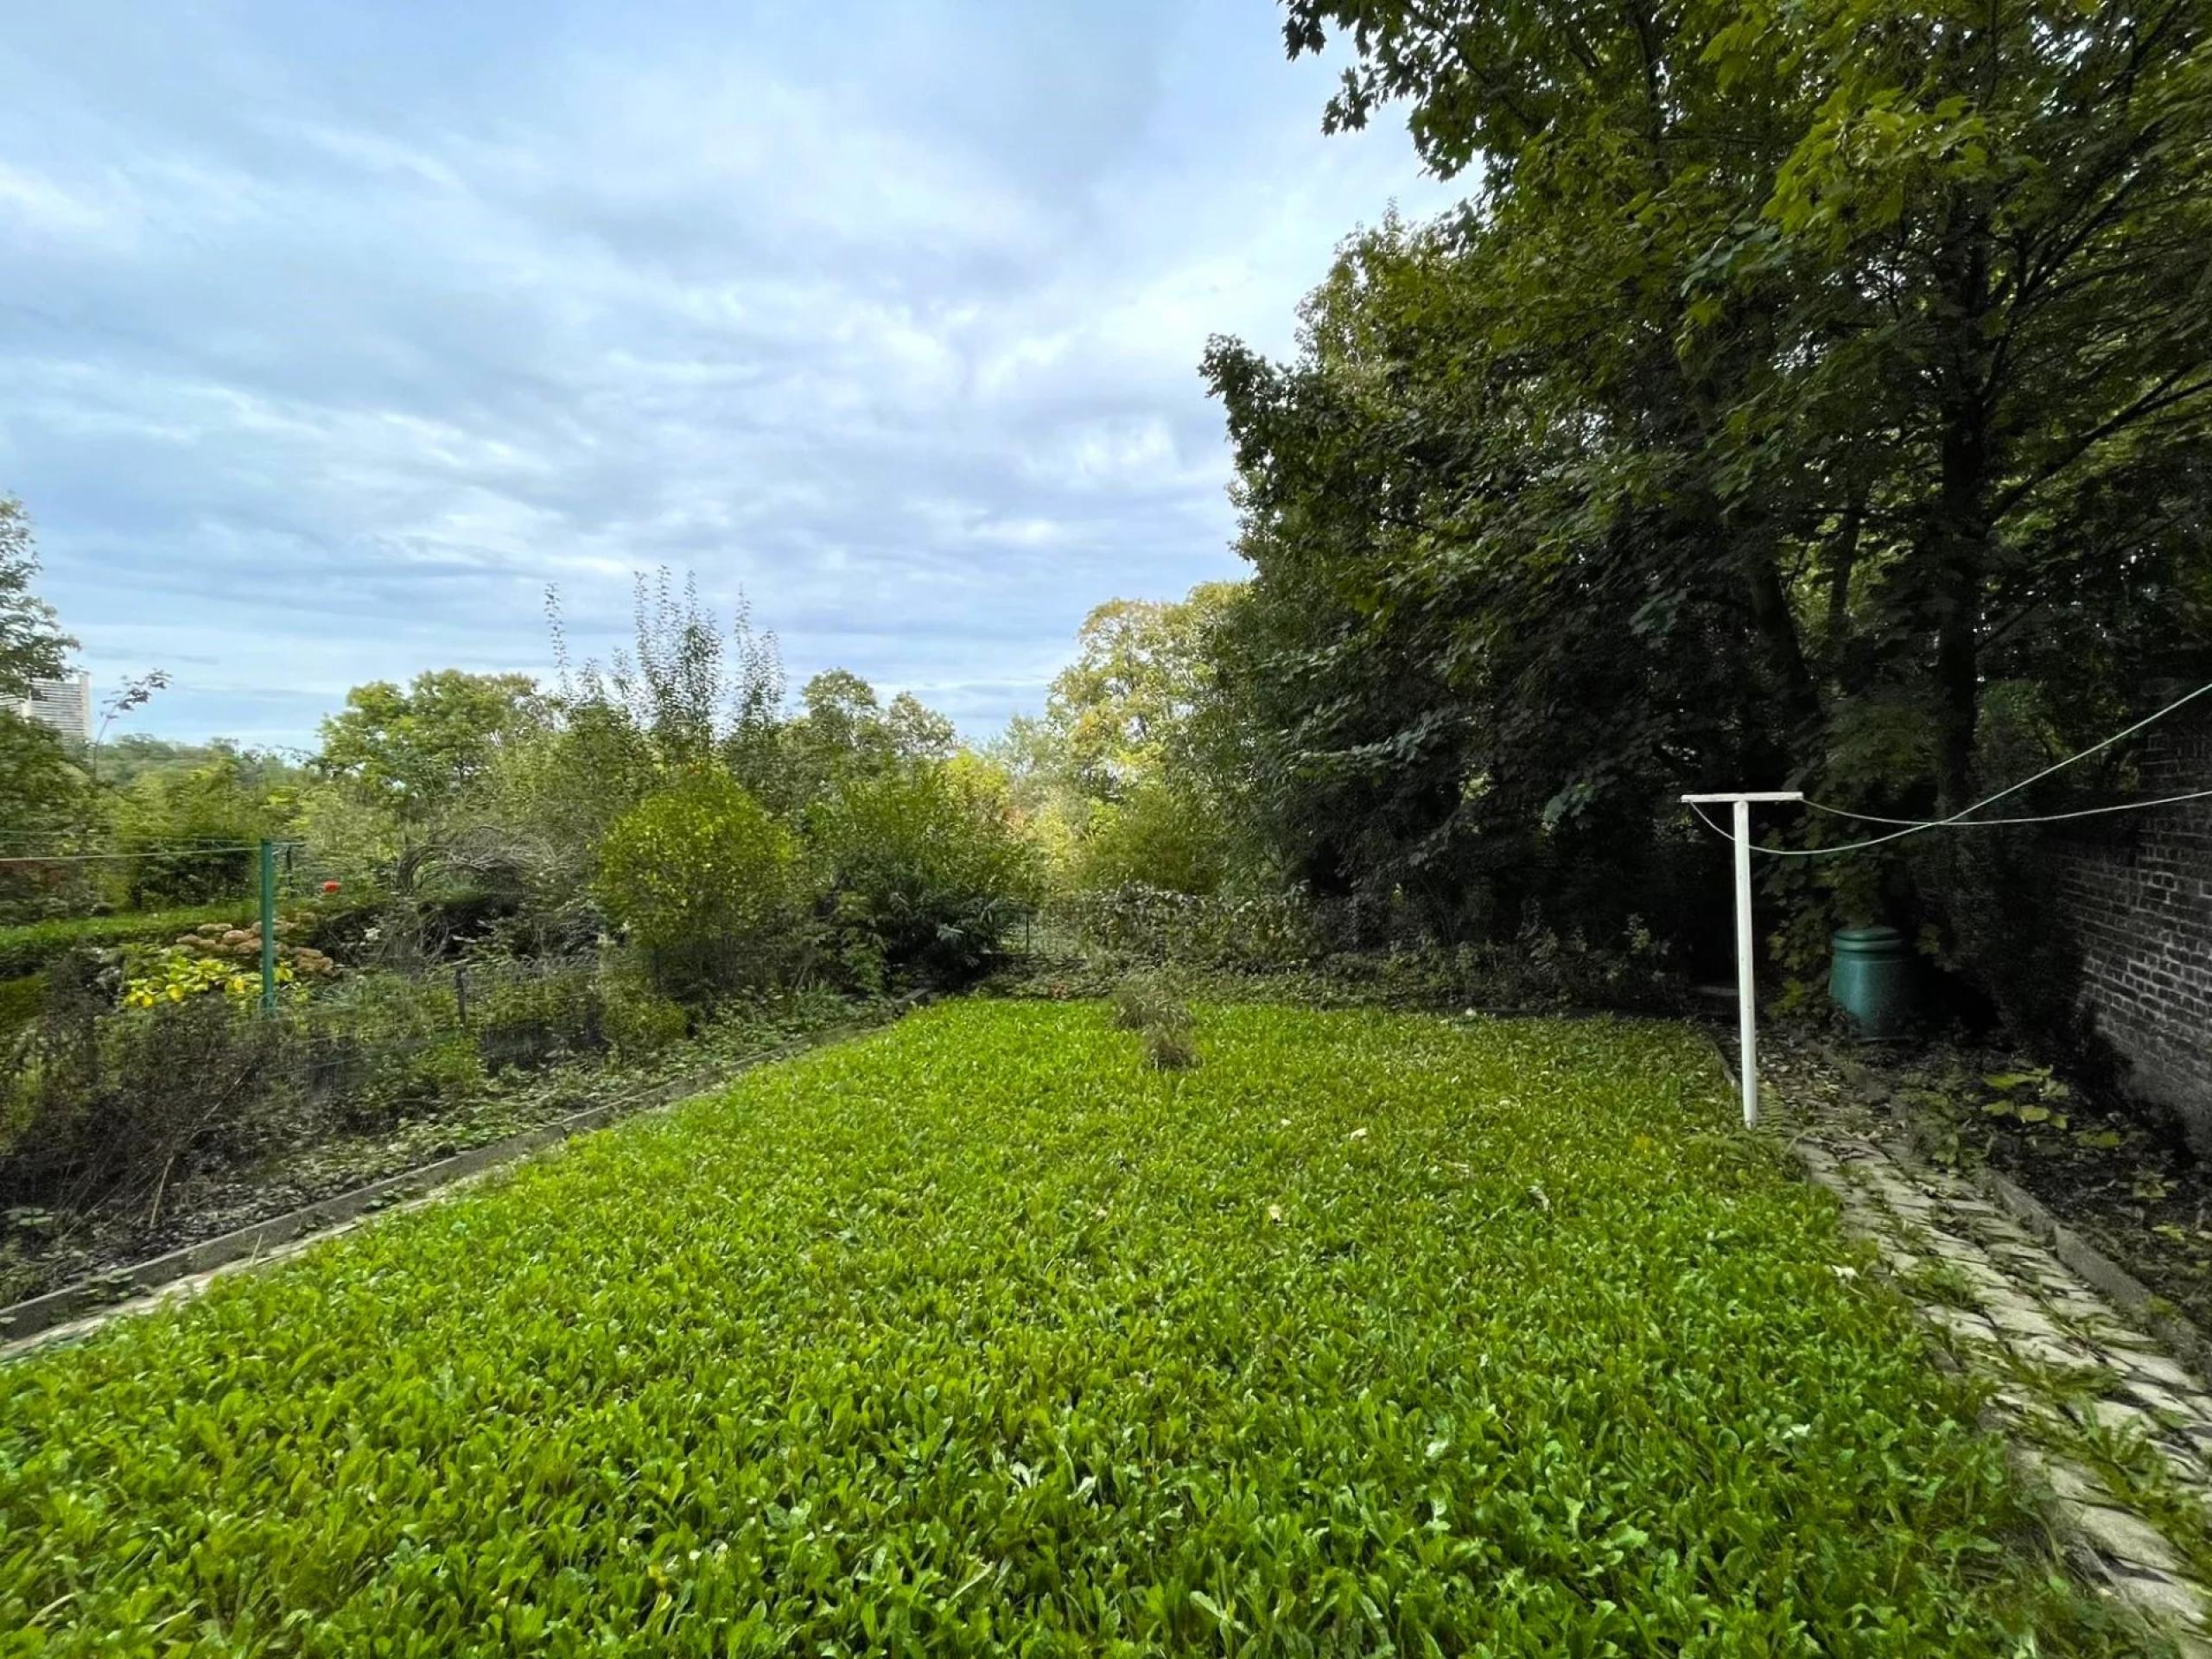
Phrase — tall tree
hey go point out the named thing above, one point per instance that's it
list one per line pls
(31, 646)
(43, 795)
(1794, 377)
(1141, 671)
(414, 752)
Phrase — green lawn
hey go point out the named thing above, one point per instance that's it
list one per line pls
(1374, 1333)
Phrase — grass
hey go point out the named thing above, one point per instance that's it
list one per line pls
(979, 1335)
(28, 947)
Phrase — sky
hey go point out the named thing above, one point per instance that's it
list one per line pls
(331, 333)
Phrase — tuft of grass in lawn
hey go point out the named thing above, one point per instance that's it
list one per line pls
(980, 1335)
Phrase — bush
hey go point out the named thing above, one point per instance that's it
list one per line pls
(638, 1021)
(528, 1015)
(1138, 999)
(119, 1108)
(1157, 837)
(415, 1082)
(927, 870)
(20, 1000)
(27, 949)
(709, 885)
(1148, 923)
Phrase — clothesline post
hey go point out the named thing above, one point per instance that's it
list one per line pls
(1746, 987)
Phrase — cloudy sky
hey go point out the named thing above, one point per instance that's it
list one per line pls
(330, 333)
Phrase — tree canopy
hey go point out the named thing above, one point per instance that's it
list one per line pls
(1797, 386)
(420, 749)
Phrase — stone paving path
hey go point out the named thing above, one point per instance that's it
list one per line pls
(2115, 1431)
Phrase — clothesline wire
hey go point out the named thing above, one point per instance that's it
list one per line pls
(142, 852)
(1963, 817)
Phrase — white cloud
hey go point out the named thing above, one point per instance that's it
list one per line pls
(346, 345)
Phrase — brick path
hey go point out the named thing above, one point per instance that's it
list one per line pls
(2114, 1430)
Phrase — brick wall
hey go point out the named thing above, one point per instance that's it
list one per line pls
(2137, 891)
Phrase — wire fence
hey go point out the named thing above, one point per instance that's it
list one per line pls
(284, 999)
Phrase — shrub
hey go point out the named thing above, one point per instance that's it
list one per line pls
(20, 1000)
(927, 869)
(638, 1021)
(527, 1015)
(1171, 1046)
(1150, 923)
(221, 804)
(118, 1107)
(1158, 837)
(27, 947)
(1138, 999)
(413, 1082)
(709, 884)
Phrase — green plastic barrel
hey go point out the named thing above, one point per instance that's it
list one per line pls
(1872, 978)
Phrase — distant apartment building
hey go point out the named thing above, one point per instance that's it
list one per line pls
(65, 704)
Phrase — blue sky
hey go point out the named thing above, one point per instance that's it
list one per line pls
(332, 332)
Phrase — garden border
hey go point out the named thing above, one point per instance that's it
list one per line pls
(2107, 1276)
(89, 1303)
(2102, 1274)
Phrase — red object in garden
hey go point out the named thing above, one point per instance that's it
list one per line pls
(330, 887)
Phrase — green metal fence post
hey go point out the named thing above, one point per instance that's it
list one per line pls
(268, 924)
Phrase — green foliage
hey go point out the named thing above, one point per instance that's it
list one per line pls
(44, 796)
(710, 885)
(1155, 835)
(1266, 952)
(1142, 669)
(1142, 999)
(416, 1080)
(1112, 782)
(26, 949)
(1139, 923)
(639, 1022)
(530, 1015)
(1798, 385)
(172, 973)
(418, 751)
(927, 870)
(844, 734)
(31, 646)
(21, 998)
(1153, 1006)
(223, 806)
(1369, 1334)
(46, 802)
(116, 1111)
(683, 696)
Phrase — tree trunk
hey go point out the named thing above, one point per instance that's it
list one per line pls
(1958, 533)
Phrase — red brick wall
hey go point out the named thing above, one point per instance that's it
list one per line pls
(2138, 894)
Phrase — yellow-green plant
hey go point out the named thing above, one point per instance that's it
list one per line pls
(708, 882)
(172, 974)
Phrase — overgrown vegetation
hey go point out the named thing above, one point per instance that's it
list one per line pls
(482, 878)
(1814, 397)
(1372, 1331)
(29, 946)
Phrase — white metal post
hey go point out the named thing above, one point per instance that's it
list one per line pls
(1747, 1013)
(1747, 1018)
